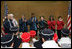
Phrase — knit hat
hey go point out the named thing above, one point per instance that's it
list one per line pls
(47, 34)
(65, 32)
(7, 40)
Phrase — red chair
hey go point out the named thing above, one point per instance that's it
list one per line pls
(55, 38)
(32, 33)
(25, 37)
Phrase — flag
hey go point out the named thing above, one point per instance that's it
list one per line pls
(69, 18)
(5, 10)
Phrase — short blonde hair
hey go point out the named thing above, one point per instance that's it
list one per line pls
(10, 15)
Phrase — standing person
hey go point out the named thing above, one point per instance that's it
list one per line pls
(42, 23)
(65, 41)
(5, 18)
(23, 24)
(9, 26)
(14, 20)
(60, 25)
(3, 29)
(51, 23)
(33, 23)
(15, 23)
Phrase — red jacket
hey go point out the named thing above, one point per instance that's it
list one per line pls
(51, 24)
(60, 25)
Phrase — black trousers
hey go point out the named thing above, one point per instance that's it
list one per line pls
(17, 42)
(53, 30)
(59, 34)
(38, 44)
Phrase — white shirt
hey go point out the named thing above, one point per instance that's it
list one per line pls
(15, 22)
(1, 36)
(34, 40)
(6, 47)
(26, 45)
(65, 42)
(50, 44)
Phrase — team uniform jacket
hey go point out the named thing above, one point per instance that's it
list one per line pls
(23, 26)
(42, 24)
(60, 25)
(51, 24)
(33, 24)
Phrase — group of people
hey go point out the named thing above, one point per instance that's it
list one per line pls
(33, 23)
(46, 29)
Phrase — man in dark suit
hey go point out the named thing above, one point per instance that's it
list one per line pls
(8, 24)
(23, 24)
(33, 23)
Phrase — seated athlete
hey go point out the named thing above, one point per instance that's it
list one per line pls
(10, 41)
(65, 41)
(46, 37)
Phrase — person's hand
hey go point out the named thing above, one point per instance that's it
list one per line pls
(25, 20)
(17, 33)
(43, 40)
(32, 20)
(17, 26)
(37, 26)
(12, 44)
(3, 20)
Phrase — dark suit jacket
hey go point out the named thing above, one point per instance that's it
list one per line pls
(7, 26)
(23, 26)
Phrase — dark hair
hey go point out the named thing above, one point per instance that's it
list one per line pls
(32, 14)
(59, 17)
(23, 15)
(50, 17)
(65, 32)
(47, 37)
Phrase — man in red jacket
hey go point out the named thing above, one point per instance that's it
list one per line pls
(51, 23)
(60, 25)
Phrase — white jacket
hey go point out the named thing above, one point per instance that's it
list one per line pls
(65, 42)
(50, 44)
(26, 45)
